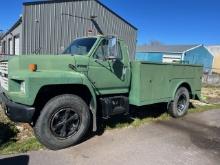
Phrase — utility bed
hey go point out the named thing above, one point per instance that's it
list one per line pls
(157, 82)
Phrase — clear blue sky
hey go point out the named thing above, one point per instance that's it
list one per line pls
(168, 21)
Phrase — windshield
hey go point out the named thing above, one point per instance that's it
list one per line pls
(80, 46)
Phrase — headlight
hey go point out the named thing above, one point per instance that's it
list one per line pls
(22, 87)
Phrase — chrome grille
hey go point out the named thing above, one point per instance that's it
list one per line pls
(4, 75)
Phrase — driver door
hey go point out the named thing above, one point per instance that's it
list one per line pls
(109, 75)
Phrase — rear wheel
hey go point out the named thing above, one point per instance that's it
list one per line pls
(179, 107)
(63, 122)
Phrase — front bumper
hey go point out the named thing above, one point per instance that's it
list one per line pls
(16, 112)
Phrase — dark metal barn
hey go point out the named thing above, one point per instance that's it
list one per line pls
(50, 26)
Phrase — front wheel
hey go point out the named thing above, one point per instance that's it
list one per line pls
(63, 122)
(179, 107)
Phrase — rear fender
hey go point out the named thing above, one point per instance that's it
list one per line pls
(178, 85)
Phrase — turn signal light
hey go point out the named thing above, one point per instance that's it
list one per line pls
(32, 67)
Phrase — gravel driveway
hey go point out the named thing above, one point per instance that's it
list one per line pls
(192, 140)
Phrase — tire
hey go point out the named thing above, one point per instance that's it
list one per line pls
(179, 107)
(63, 122)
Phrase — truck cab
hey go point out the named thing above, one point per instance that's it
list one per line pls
(108, 64)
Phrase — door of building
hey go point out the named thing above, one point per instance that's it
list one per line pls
(17, 45)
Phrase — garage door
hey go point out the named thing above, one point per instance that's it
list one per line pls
(17, 45)
(171, 58)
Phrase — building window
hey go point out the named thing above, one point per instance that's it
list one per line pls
(10, 46)
(17, 45)
(3, 47)
(172, 58)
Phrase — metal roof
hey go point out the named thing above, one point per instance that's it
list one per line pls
(165, 48)
(1, 35)
(60, 1)
(17, 23)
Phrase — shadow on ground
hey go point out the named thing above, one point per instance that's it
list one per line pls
(201, 135)
(151, 111)
(8, 131)
(16, 160)
(148, 111)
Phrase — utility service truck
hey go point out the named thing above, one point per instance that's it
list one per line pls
(61, 95)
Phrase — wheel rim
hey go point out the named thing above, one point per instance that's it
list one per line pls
(65, 123)
(181, 104)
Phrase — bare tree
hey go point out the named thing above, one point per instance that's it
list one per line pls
(155, 43)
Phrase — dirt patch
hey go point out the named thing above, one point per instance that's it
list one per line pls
(11, 130)
(25, 131)
(211, 94)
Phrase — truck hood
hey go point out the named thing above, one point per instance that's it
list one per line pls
(46, 62)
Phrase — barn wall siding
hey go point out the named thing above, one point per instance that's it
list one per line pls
(15, 32)
(216, 63)
(151, 57)
(50, 27)
(200, 55)
(215, 50)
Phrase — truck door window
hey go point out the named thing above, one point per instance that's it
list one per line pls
(101, 51)
(119, 51)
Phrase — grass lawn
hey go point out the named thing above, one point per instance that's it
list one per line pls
(15, 146)
(141, 117)
(12, 140)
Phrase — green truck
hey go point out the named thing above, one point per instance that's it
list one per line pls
(61, 95)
